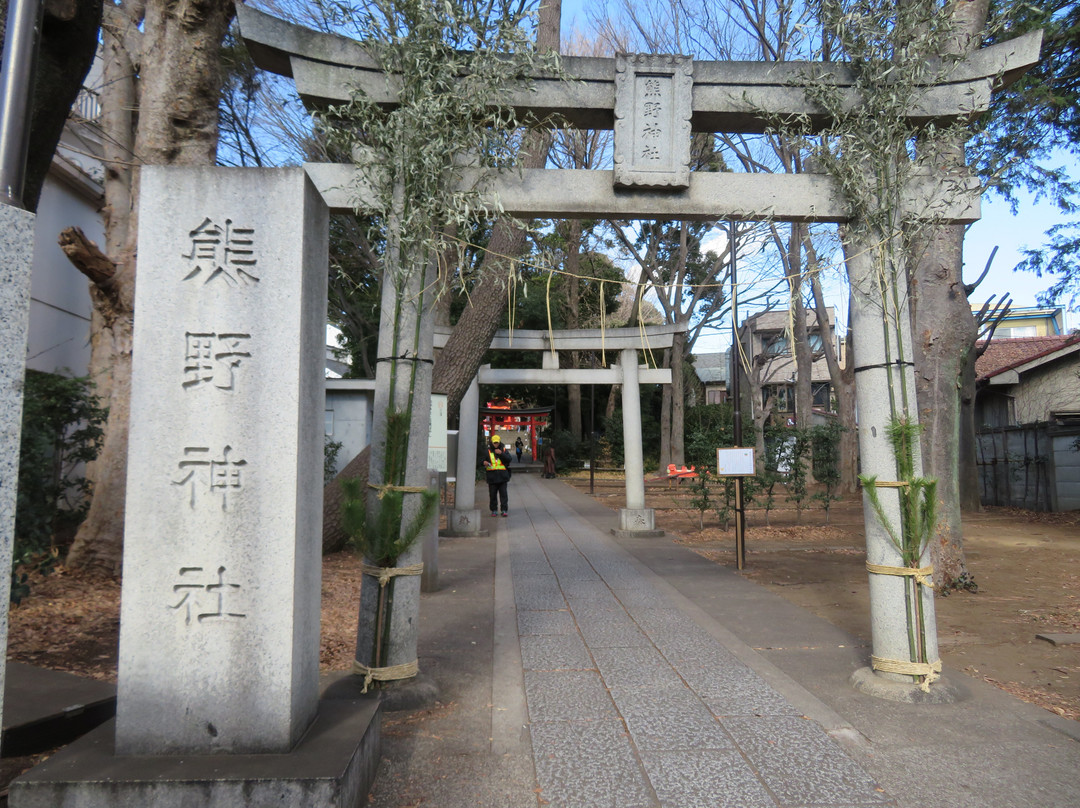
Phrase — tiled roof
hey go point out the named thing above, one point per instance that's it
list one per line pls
(1003, 354)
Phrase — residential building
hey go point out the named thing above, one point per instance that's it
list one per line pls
(713, 371)
(1027, 418)
(1027, 379)
(72, 195)
(1030, 321)
(766, 342)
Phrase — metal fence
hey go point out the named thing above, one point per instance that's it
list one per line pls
(1033, 466)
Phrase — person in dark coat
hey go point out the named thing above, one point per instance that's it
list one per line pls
(497, 473)
(549, 463)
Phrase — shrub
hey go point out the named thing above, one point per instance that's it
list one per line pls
(61, 432)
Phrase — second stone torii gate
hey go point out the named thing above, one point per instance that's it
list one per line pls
(635, 519)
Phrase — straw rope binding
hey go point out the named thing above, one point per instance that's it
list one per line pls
(920, 574)
(391, 673)
(930, 671)
(384, 574)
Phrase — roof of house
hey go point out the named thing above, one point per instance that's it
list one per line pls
(712, 368)
(778, 319)
(1006, 354)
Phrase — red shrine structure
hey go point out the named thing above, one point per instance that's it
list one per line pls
(501, 417)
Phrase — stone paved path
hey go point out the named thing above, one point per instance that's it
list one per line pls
(629, 702)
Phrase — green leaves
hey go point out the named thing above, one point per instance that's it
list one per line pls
(61, 432)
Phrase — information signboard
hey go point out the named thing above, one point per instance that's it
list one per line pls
(736, 462)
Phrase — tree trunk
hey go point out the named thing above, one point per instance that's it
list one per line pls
(944, 337)
(179, 82)
(678, 398)
(804, 355)
(970, 499)
(843, 382)
(944, 334)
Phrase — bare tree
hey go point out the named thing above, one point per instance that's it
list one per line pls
(161, 82)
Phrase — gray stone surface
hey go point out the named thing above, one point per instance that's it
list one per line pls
(669, 718)
(588, 763)
(800, 764)
(827, 753)
(17, 243)
(642, 668)
(555, 652)
(707, 778)
(333, 766)
(612, 630)
(546, 623)
(219, 635)
(567, 696)
(671, 681)
(734, 689)
(653, 95)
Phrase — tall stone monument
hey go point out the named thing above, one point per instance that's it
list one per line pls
(217, 699)
(220, 615)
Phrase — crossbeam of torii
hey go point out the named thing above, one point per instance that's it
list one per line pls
(723, 97)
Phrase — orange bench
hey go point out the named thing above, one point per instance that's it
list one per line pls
(676, 473)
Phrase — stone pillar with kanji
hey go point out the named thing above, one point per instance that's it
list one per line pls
(219, 636)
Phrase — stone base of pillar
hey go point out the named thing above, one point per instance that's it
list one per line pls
(942, 691)
(463, 523)
(333, 766)
(637, 523)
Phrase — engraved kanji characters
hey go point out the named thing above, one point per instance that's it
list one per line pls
(220, 476)
(212, 358)
(205, 598)
(650, 152)
(650, 125)
(226, 253)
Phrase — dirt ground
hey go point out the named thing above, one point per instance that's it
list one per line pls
(1026, 566)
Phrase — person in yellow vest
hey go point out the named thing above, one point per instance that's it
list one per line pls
(497, 472)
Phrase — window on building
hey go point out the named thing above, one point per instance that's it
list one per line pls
(1015, 331)
(822, 393)
(775, 345)
(781, 395)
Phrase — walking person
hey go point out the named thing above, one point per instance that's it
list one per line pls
(518, 447)
(497, 473)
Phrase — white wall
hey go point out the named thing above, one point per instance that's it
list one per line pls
(349, 407)
(59, 335)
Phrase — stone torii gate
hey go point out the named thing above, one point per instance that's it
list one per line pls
(654, 103)
(635, 518)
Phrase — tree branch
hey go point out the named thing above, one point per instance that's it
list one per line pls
(87, 257)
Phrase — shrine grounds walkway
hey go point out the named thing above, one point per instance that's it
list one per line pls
(577, 670)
